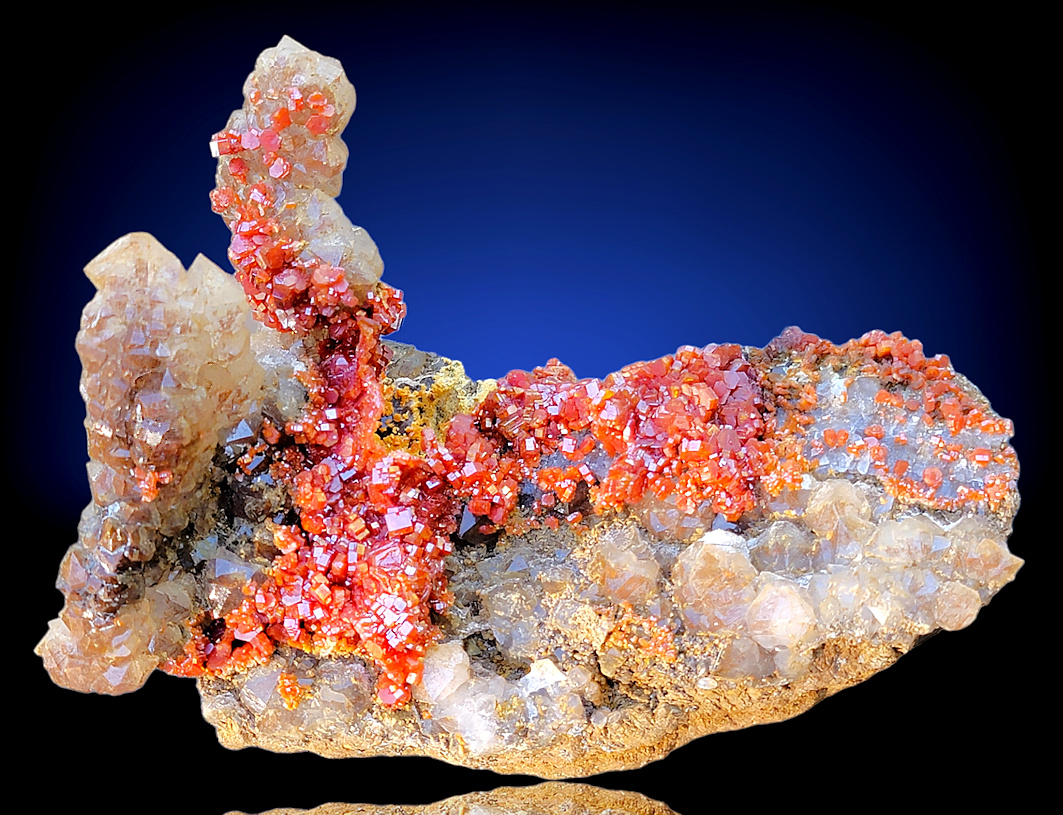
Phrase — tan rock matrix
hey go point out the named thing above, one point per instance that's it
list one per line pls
(542, 799)
(357, 550)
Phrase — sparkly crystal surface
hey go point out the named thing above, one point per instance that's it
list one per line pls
(355, 548)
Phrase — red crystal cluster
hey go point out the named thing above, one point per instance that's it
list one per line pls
(689, 425)
(912, 385)
(363, 569)
(289, 289)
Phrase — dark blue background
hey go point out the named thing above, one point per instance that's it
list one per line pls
(589, 183)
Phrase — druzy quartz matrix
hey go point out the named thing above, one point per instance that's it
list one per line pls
(358, 550)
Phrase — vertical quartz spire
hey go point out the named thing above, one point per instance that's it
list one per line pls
(379, 521)
(280, 165)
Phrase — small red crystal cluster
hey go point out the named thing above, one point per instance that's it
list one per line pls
(363, 570)
(912, 385)
(287, 288)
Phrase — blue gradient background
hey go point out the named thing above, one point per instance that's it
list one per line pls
(600, 186)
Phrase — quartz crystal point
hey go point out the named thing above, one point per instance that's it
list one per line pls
(357, 550)
(548, 798)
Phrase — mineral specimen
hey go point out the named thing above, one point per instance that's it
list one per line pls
(542, 799)
(358, 550)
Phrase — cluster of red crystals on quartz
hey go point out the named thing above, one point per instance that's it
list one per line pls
(924, 429)
(708, 430)
(284, 144)
(362, 570)
(689, 425)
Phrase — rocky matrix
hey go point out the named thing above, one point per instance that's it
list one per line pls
(542, 799)
(357, 550)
